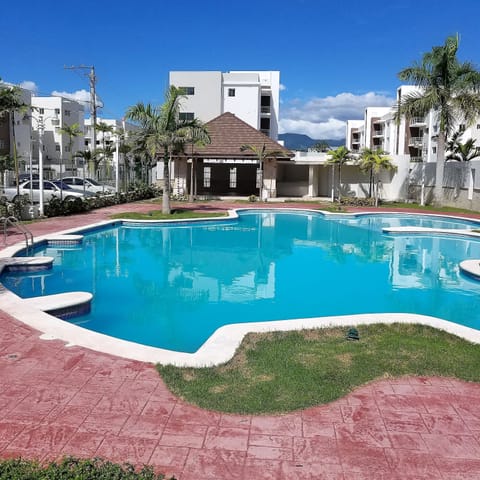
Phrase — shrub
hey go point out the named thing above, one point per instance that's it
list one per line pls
(71, 468)
(252, 198)
(357, 202)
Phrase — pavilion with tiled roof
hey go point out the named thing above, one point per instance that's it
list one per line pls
(224, 168)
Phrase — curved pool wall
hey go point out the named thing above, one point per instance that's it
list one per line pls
(222, 344)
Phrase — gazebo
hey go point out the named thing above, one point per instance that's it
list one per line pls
(223, 168)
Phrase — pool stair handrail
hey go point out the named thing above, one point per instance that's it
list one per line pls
(13, 222)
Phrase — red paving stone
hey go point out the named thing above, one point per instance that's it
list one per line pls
(57, 400)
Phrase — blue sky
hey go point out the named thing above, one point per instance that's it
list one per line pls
(335, 57)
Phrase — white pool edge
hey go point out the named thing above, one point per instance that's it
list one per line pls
(223, 343)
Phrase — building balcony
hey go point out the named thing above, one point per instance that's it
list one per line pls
(415, 142)
(417, 121)
(417, 159)
(377, 133)
(265, 109)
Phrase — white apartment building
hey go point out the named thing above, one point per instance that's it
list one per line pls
(252, 96)
(412, 146)
(49, 116)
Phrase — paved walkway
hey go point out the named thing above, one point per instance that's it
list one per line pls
(57, 400)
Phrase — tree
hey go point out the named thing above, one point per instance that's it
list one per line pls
(163, 133)
(262, 154)
(340, 156)
(320, 146)
(72, 131)
(449, 87)
(105, 153)
(10, 102)
(88, 158)
(376, 161)
(463, 152)
(7, 162)
(195, 137)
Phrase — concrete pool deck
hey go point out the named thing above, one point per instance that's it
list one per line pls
(59, 400)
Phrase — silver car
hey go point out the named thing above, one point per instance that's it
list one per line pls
(49, 190)
(90, 185)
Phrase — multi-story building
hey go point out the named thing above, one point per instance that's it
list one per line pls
(50, 115)
(252, 96)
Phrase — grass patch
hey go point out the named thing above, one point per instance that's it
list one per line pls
(416, 206)
(176, 214)
(284, 371)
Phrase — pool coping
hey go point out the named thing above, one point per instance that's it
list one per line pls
(222, 344)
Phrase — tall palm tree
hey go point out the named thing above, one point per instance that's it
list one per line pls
(464, 152)
(105, 152)
(340, 156)
(446, 85)
(88, 158)
(262, 154)
(367, 161)
(163, 132)
(196, 136)
(376, 162)
(11, 102)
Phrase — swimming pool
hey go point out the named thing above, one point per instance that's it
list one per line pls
(172, 286)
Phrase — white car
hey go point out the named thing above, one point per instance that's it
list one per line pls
(77, 183)
(49, 190)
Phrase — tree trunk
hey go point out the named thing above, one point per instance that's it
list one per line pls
(166, 185)
(377, 181)
(440, 166)
(339, 182)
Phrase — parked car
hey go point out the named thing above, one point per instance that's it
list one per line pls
(77, 183)
(67, 188)
(49, 190)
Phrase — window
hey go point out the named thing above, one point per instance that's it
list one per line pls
(206, 176)
(57, 147)
(67, 148)
(233, 178)
(188, 90)
(41, 111)
(2, 143)
(478, 126)
(231, 92)
(434, 149)
(57, 111)
(186, 116)
(67, 113)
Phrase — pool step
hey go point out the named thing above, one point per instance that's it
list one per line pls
(62, 305)
(471, 268)
(26, 264)
(69, 239)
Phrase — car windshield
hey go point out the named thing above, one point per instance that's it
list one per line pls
(62, 185)
(93, 182)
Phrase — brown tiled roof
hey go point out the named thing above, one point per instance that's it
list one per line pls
(228, 133)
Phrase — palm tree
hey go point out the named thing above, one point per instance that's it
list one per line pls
(463, 152)
(340, 156)
(163, 132)
(446, 85)
(196, 136)
(88, 158)
(106, 150)
(367, 160)
(72, 131)
(375, 162)
(10, 102)
(7, 162)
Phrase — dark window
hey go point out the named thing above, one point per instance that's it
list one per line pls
(188, 90)
(264, 124)
(231, 92)
(265, 101)
(186, 116)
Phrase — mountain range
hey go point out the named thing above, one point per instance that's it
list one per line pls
(298, 141)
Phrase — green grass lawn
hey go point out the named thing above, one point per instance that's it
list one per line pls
(430, 208)
(285, 371)
(158, 215)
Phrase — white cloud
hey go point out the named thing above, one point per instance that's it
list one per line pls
(80, 96)
(282, 87)
(29, 85)
(326, 117)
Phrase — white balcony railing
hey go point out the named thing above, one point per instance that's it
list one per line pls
(417, 159)
(417, 121)
(415, 142)
(265, 109)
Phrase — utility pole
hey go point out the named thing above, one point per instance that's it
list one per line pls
(93, 100)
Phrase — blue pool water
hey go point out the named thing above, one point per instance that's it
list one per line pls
(173, 286)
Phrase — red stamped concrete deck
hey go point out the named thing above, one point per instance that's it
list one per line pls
(57, 400)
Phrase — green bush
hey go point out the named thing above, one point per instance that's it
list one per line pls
(357, 202)
(71, 468)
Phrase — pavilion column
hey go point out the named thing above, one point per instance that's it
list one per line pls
(270, 178)
(180, 172)
(313, 181)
